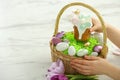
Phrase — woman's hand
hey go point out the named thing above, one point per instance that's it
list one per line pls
(95, 65)
(90, 65)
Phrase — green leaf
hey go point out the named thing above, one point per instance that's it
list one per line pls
(81, 77)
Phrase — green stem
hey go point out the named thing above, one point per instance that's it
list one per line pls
(81, 77)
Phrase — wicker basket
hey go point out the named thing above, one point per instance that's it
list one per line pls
(66, 58)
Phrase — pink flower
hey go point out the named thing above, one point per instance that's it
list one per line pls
(56, 71)
(57, 67)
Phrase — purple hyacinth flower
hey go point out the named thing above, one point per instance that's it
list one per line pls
(57, 67)
(56, 71)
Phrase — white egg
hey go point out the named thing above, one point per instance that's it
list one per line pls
(82, 52)
(71, 51)
(62, 46)
(94, 54)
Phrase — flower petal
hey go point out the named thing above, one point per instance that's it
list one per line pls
(60, 34)
(55, 77)
(62, 77)
(61, 65)
(53, 66)
(58, 70)
(50, 74)
(56, 40)
(59, 77)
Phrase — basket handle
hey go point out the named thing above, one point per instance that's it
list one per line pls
(84, 5)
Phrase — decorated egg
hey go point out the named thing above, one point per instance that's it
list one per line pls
(97, 48)
(62, 46)
(56, 40)
(94, 54)
(71, 50)
(82, 52)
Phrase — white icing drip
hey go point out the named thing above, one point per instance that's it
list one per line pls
(81, 29)
(80, 33)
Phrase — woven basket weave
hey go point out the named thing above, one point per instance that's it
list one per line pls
(66, 58)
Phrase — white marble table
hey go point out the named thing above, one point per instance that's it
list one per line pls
(26, 27)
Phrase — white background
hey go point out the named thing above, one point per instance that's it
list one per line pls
(26, 26)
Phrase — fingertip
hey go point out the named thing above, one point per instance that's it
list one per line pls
(91, 30)
(93, 19)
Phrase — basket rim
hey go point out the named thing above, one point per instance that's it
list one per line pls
(62, 56)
